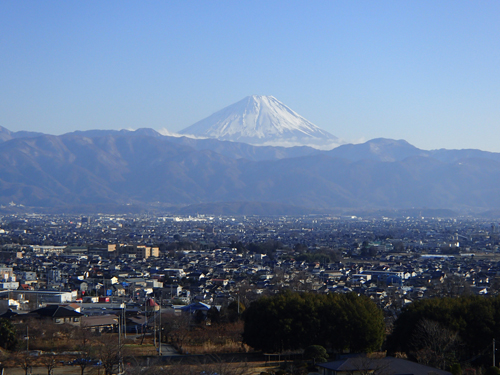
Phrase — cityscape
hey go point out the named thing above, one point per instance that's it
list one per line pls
(109, 270)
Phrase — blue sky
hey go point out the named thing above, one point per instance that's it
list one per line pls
(424, 71)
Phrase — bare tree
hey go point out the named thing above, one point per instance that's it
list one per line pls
(86, 349)
(434, 344)
(109, 352)
(84, 357)
(49, 362)
(84, 335)
(177, 329)
(23, 360)
(4, 356)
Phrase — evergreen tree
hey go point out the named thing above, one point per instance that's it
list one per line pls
(291, 321)
(8, 338)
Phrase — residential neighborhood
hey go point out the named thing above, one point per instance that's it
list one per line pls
(126, 259)
(113, 273)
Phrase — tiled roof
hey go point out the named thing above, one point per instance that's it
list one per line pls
(55, 311)
(393, 366)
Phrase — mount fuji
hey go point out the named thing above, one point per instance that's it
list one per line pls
(262, 121)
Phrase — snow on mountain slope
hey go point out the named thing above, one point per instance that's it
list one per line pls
(262, 120)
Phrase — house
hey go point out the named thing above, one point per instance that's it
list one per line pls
(197, 306)
(59, 314)
(151, 305)
(118, 290)
(377, 366)
(100, 323)
(136, 324)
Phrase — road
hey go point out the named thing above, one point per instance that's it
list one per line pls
(169, 351)
(61, 370)
(166, 351)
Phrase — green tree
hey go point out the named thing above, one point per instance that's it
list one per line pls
(474, 320)
(492, 370)
(290, 321)
(317, 353)
(456, 369)
(8, 335)
(234, 311)
(213, 315)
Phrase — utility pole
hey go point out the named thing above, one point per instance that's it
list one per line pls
(124, 320)
(494, 361)
(154, 326)
(119, 344)
(159, 348)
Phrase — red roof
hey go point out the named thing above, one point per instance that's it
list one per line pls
(151, 303)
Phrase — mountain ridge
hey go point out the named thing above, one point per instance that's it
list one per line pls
(144, 169)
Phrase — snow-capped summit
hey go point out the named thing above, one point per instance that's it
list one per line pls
(262, 120)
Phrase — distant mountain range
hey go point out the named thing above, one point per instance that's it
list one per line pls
(6, 135)
(143, 170)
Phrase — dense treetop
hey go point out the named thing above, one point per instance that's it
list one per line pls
(8, 338)
(471, 321)
(291, 321)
